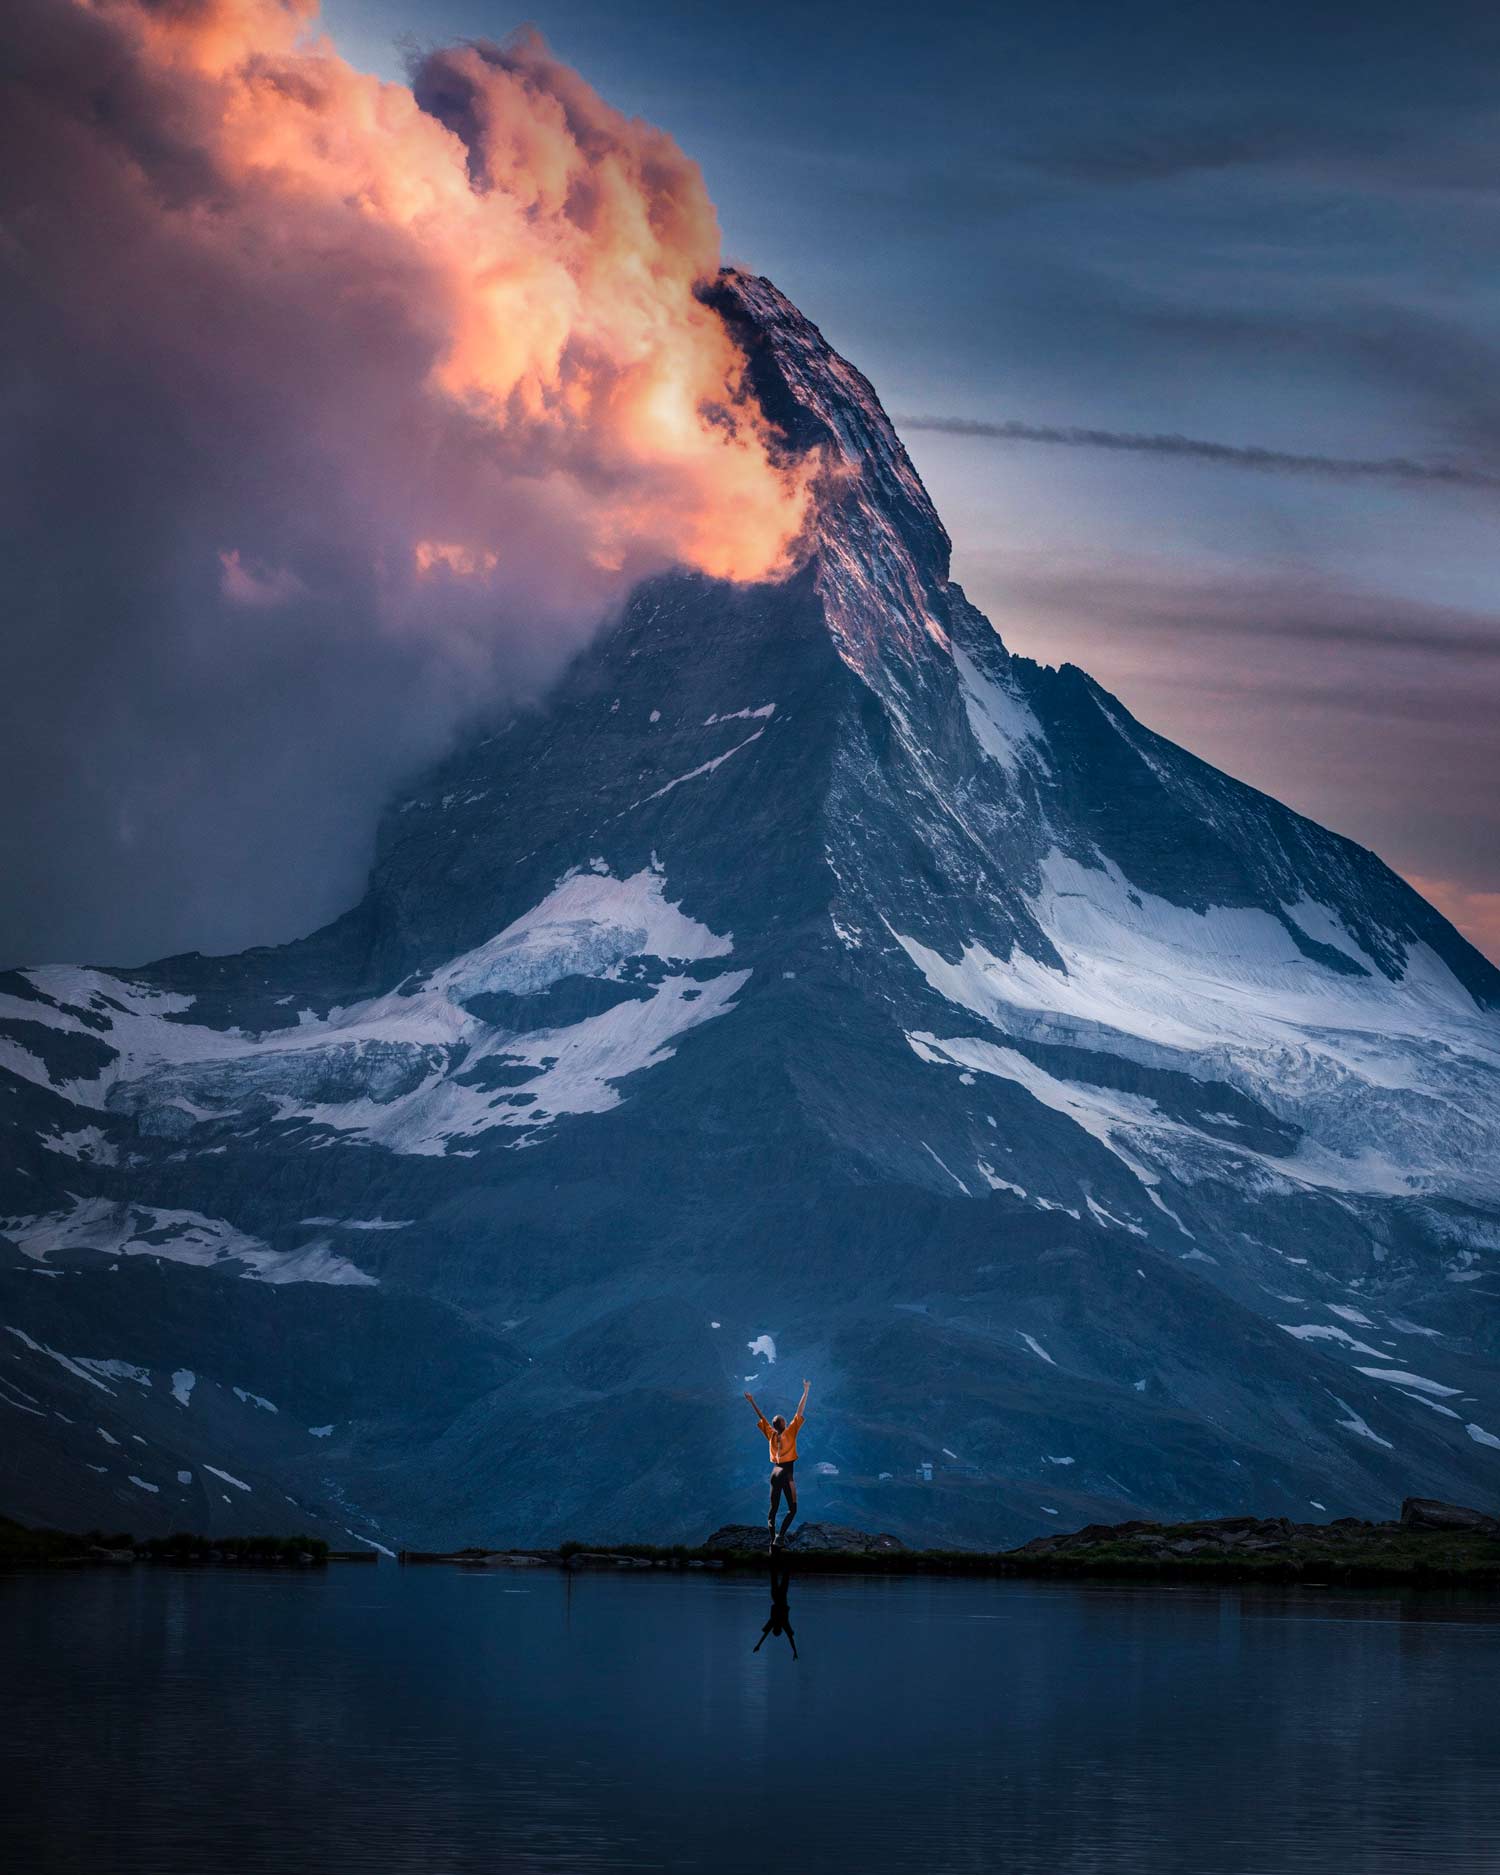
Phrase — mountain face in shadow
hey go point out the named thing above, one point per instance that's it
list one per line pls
(816, 989)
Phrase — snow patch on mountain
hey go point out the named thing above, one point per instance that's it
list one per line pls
(1352, 1422)
(1355, 1059)
(1137, 966)
(993, 1179)
(357, 1223)
(412, 1070)
(703, 768)
(70, 1363)
(1100, 1111)
(116, 1370)
(588, 925)
(113, 1228)
(1320, 1331)
(87, 1143)
(1003, 723)
(1398, 1377)
(1108, 1218)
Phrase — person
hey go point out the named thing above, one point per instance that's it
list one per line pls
(780, 1621)
(781, 1438)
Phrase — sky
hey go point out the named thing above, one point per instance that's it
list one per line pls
(1187, 316)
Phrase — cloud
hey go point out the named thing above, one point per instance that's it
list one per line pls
(256, 586)
(334, 409)
(1165, 148)
(1229, 455)
(1148, 596)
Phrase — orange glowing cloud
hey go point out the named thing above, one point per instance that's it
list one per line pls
(338, 413)
(454, 557)
(541, 253)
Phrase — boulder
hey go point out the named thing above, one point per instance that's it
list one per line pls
(806, 1539)
(1043, 1546)
(1430, 1515)
(739, 1536)
(815, 1537)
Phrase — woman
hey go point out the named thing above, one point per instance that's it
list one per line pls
(782, 1440)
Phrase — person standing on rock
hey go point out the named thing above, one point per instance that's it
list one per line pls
(782, 1440)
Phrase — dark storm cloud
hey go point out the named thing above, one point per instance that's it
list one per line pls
(1229, 455)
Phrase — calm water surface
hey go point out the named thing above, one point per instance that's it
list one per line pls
(375, 1719)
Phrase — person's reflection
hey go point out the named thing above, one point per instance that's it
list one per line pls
(781, 1612)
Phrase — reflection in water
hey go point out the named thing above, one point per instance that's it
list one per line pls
(780, 1621)
(379, 1721)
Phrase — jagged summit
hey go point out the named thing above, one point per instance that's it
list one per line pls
(812, 984)
(821, 401)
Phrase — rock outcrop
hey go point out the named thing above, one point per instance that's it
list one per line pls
(1210, 1536)
(1256, 1537)
(1431, 1514)
(808, 1539)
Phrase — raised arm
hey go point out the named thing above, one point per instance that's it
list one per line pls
(753, 1407)
(802, 1403)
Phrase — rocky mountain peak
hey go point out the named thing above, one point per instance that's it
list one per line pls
(881, 550)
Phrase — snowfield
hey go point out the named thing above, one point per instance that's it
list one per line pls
(408, 1071)
(1352, 1058)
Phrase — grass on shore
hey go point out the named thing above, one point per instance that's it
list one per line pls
(1380, 1556)
(22, 1544)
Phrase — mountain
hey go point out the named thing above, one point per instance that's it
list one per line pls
(813, 988)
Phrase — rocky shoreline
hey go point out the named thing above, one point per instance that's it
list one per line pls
(1431, 1543)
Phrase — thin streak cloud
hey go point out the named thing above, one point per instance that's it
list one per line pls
(1200, 449)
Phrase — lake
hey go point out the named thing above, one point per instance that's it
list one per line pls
(424, 1719)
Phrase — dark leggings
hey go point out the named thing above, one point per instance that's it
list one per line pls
(782, 1484)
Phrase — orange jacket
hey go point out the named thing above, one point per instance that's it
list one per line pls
(783, 1444)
